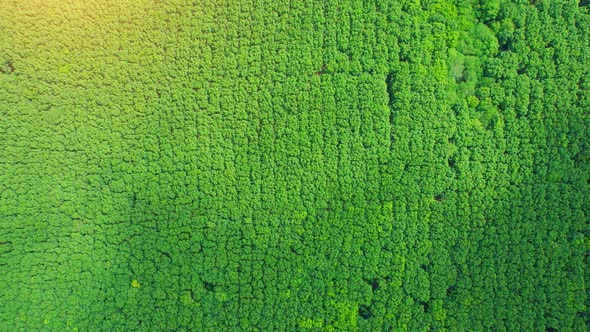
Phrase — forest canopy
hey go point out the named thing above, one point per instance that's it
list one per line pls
(200, 165)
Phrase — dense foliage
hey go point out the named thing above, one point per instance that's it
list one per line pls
(290, 165)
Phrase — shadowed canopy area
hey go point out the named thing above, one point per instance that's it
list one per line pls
(271, 165)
